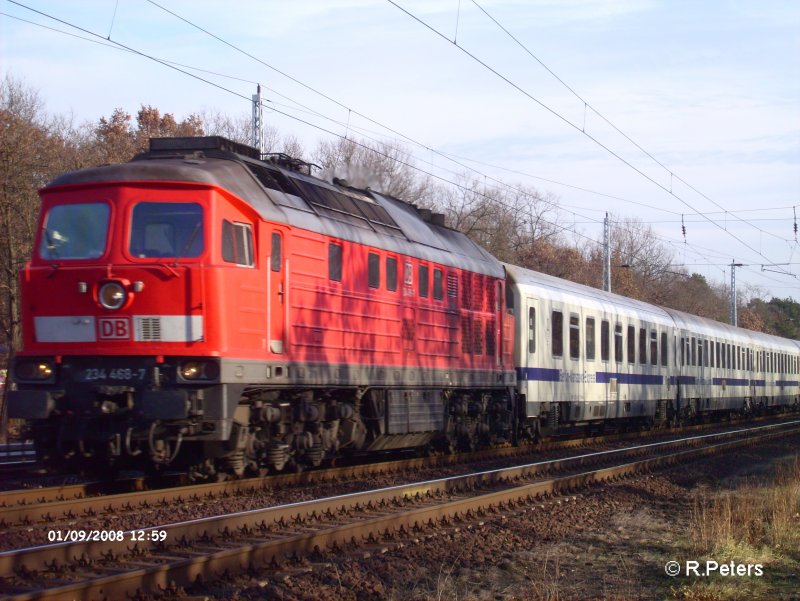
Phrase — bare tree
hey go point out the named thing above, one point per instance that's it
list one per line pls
(385, 167)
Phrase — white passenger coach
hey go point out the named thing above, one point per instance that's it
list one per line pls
(584, 356)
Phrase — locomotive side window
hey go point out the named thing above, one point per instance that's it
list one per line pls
(167, 229)
(531, 330)
(618, 343)
(664, 349)
(237, 243)
(574, 337)
(75, 231)
(557, 342)
(335, 262)
(423, 281)
(391, 273)
(438, 291)
(408, 277)
(605, 336)
(276, 252)
(590, 343)
(374, 270)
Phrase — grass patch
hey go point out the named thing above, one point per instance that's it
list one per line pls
(756, 522)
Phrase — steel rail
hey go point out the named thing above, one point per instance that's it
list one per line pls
(30, 506)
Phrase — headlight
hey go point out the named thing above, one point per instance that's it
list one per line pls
(35, 369)
(112, 295)
(198, 370)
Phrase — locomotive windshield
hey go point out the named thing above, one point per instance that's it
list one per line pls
(75, 231)
(167, 229)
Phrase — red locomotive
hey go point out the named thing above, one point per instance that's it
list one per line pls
(201, 308)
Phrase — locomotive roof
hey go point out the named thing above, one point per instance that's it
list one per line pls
(298, 200)
(546, 286)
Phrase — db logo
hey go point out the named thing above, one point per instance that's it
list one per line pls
(114, 328)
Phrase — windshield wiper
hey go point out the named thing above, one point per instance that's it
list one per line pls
(188, 242)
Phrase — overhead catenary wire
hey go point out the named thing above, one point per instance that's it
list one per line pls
(272, 107)
(579, 129)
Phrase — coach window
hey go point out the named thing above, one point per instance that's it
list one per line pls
(276, 252)
(590, 344)
(557, 342)
(705, 353)
(605, 345)
(335, 262)
(574, 337)
(374, 270)
(683, 351)
(391, 273)
(643, 346)
(700, 352)
(531, 330)
(653, 348)
(618, 343)
(664, 349)
(631, 344)
(718, 358)
(423, 281)
(438, 291)
(693, 351)
(237, 243)
(711, 353)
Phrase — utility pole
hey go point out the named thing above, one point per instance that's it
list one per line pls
(606, 254)
(258, 122)
(733, 314)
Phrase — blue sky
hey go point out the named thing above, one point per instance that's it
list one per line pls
(711, 89)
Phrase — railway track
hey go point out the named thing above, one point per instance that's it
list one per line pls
(27, 507)
(17, 457)
(161, 557)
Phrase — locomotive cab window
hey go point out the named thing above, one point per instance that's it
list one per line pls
(167, 229)
(237, 243)
(75, 231)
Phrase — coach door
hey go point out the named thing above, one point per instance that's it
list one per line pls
(532, 355)
(278, 285)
